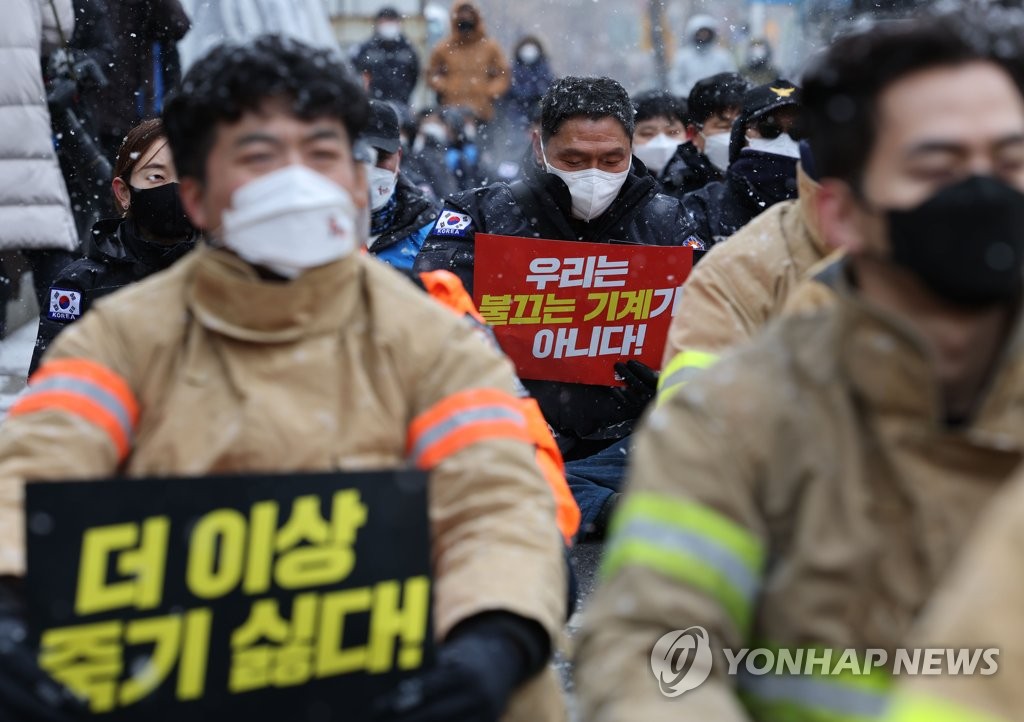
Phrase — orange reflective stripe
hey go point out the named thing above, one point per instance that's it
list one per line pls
(95, 373)
(549, 459)
(463, 419)
(88, 390)
(78, 405)
(446, 288)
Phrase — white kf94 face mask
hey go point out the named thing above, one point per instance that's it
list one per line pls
(656, 153)
(716, 148)
(382, 186)
(592, 190)
(292, 220)
(783, 145)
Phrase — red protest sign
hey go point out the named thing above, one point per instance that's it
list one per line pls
(567, 311)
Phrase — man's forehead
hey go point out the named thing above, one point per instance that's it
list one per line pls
(584, 129)
(974, 102)
(658, 120)
(279, 122)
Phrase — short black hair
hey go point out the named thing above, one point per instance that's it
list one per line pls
(233, 79)
(715, 95)
(593, 98)
(842, 87)
(658, 104)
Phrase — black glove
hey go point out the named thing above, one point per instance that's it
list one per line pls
(641, 385)
(27, 693)
(478, 667)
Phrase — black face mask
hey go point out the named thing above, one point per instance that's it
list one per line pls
(966, 242)
(466, 26)
(159, 211)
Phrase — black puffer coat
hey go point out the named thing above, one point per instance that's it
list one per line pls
(583, 416)
(116, 255)
(687, 171)
(752, 184)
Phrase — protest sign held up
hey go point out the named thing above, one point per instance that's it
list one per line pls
(299, 597)
(567, 311)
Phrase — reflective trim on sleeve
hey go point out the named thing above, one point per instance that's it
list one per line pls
(680, 370)
(816, 684)
(692, 544)
(464, 419)
(88, 390)
(914, 707)
(810, 699)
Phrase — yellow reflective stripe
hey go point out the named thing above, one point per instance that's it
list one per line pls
(691, 544)
(914, 707)
(680, 370)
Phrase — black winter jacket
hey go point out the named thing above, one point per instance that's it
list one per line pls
(752, 184)
(393, 67)
(584, 417)
(413, 209)
(426, 168)
(115, 256)
(687, 171)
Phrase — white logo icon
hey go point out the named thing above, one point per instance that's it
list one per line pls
(681, 660)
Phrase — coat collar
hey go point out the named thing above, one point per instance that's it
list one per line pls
(228, 296)
(891, 368)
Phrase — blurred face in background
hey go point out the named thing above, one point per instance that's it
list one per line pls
(389, 28)
(648, 130)
(718, 123)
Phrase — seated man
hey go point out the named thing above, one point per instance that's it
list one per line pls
(712, 106)
(582, 187)
(660, 128)
(806, 495)
(401, 214)
(741, 285)
(285, 349)
(763, 155)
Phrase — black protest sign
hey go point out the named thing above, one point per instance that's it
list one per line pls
(296, 597)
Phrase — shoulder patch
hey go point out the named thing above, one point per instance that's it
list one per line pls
(65, 305)
(694, 243)
(452, 223)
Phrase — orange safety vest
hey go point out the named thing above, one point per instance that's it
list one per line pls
(446, 288)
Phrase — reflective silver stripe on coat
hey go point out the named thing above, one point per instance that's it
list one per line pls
(91, 391)
(833, 698)
(671, 538)
(682, 376)
(460, 420)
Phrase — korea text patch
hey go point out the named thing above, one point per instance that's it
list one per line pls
(452, 223)
(65, 305)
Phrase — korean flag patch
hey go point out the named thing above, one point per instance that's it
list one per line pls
(64, 305)
(452, 223)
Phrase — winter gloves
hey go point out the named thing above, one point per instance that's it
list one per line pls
(478, 667)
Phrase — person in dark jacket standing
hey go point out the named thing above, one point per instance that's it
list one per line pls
(145, 65)
(763, 151)
(152, 233)
(400, 214)
(583, 186)
(712, 106)
(388, 59)
(426, 166)
(531, 78)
